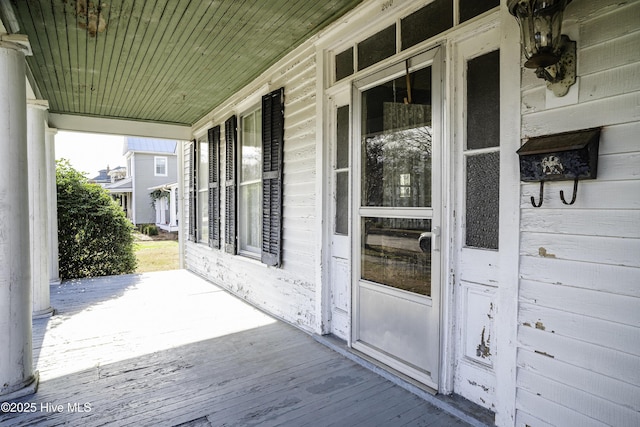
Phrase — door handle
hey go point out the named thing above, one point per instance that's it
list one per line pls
(435, 237)
(430, 240)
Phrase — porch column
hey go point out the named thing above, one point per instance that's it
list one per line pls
(52, 205)
(17, 377)
(38, 216)
(173, 207)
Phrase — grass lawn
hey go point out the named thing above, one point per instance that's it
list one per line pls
(156, 255)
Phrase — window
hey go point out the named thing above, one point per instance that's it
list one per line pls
(250, 183)
(253, 195)
(482, 153)
(202, 202)
(160, 164)
(341, 171)
(193, 191)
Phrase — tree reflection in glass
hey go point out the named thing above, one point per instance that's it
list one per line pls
(396, 173)
(397, 142)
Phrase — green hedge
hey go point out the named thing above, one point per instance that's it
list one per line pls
(148, 229)
(94, 236)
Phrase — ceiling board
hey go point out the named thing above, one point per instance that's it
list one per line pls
(167, 61)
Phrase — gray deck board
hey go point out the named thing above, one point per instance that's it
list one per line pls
(170, 349)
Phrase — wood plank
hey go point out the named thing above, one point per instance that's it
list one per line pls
(184, 54)
(169, 348)
(604, 250)
(523, 420)
(616, 81)
(621, 20)
(46, 42)
(621, 223)
(551, 412)
(614, 279)
(582, 301)
(585, 328)
(618, 365)
(610, 54)
(592, 194)
(582, 402)
(619, 139)
(603, 112)
(619, 392)
(148, 23)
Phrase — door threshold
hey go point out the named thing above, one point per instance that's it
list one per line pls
(455, 405)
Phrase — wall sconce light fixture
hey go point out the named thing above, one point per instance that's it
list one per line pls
(548, 51)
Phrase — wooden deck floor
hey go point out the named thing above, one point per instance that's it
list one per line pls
(170, 349)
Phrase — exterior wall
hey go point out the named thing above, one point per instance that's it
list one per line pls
(144, 178)
(579, 323)
(573, 357)
(287, 292)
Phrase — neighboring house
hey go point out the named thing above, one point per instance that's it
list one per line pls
(151, 164)
(102, 178)
(166, 206)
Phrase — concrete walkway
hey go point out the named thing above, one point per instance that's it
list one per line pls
(171, 349)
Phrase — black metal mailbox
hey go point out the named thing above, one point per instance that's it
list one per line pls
(563, 156)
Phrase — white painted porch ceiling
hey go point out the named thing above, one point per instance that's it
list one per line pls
(162, 61)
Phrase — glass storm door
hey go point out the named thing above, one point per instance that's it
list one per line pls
(397, 117)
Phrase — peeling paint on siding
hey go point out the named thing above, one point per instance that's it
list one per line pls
(485, 388)
(543, 253)
(544, 354)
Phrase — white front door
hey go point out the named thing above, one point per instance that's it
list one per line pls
(397, 216)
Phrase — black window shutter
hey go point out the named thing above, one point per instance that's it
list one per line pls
(214, 187)
(231, 136)
(272, 165)
(193, 192)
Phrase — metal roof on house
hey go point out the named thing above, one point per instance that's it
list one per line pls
(148, 145)
(121, 186)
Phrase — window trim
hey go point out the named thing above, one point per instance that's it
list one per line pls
(272, 136)
(193, 193)
(248, 252)
(200, 188)
(155, 165)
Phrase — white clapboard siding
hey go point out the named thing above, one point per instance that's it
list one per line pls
(612, 223)
(581, 326)
(594, 357)
(606, 250)
(579, 293)
(611, 53)
(287, 292)
(601, 112)
(613, 279)
(531, 403)
(620, 392)
(606, 20)
(596, 304)
(595, 407)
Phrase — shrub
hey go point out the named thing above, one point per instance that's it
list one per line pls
(148, 229)
(94, 236)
